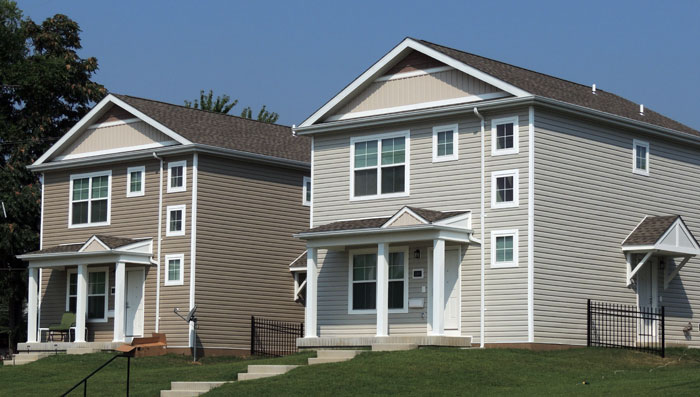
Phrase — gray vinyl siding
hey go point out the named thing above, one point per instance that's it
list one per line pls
(247, 214)
(587, 202)
(452, 185)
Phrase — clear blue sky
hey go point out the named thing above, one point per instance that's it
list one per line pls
(295, 55)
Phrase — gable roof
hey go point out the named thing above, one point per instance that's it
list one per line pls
(110, 241)
(652, 228)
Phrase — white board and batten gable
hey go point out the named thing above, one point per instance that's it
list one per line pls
(412, 76)
(112, 126)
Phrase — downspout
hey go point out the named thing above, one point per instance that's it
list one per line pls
(483, 237)
(160, 238)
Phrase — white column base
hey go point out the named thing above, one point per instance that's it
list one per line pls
(81, 304)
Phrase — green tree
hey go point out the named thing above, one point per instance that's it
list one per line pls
(206, 102)
(45, 88)
(263, 115)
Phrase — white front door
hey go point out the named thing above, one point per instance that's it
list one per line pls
(134, 302)
(647, 298)
(452, 291)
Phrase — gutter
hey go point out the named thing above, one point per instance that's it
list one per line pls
(60, 255)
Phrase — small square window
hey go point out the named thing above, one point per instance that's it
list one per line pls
(177, 176)
(175, 225)
(174, 269)
(504, 190)
(135, 181)
(504, 136)
(445, 143)
(640, 157)
(504, 248)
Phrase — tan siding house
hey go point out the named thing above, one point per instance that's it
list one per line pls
(142, 217)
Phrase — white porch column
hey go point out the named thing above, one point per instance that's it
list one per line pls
(383, 289)
(311, 293)
(32, 304)
(438, 287)
(119, 301)
(81, 304)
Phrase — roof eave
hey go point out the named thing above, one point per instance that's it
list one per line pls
(355, 232)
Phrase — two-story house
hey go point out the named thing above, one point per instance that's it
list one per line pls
(460, 200)
(148, 207)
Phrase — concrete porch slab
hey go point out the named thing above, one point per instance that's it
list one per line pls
(368, 341)
(64, 346)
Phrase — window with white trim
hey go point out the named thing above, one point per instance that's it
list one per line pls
(504, 248)
(445, 143)
(504, 189)
(363, 281)
(640, 157)
(90, 199)
(175, 225)
(174, 269)
(97, 286)
(177, 176)
(504, 136)
(306, 191)
(379, 166)
(135, 181)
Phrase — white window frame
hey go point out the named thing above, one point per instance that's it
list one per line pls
(181, 258)
(635, 144)
(90, 175)
(407, 162)
(516, 132)
(516, 190)
(182, 164)
(455, 143)
(142, 170)
(170, 208)
(504, 233)
(304, 191)
(104, 270)
(351, 253)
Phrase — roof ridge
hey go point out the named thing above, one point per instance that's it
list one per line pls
(200, 110)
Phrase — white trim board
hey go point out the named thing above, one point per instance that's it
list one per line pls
(116, 150)
(414, 73)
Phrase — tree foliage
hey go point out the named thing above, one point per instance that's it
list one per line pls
(223, 104)
(263, 115)
(45, 88)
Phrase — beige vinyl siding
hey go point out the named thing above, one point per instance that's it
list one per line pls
(116, 136)
(444, 186)
(247, 213)
(587, 202)
(436, 86)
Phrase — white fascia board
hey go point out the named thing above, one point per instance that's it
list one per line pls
(160, 127)
(297, 269)
(85, 258)
(392, 235)
(635, 228)
(408, 44)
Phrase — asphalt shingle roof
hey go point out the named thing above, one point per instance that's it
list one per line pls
(222, 130)
(650, 230)
(111, 242)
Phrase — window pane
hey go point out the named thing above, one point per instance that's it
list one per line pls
(100, 187)
(135, 181)
(174, 270)
(99, 211)
(72, 304)
(80, 213)
(393, 179)
(365, 154)
(176, 179)
(366, 182)
(364, 296)
(641, 157)
(308, 191)
(96, 307)
(81, 189)
(396, 265)
(393, 150)
(176, 220)
(364, 267)
(504, 136)
(445, 146)
(96, 283)
(504, 248)
(395, 294)
(504, 189)
(73, 287)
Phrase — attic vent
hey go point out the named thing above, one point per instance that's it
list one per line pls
(593, 89)
(641, 110)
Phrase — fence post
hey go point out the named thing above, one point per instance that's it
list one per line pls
(588, 323)
(663, 331)
(252, 335)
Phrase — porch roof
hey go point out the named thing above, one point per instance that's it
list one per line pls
(96, 249)
(668, 235)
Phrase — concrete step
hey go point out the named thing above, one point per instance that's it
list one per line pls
(314, 361)
(194, 386)
(180, 393)
(25, 358)
(270, 369)
(337, 353)
(244, 376)
(391, 347)
(81, 350)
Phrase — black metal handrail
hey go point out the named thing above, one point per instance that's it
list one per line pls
(85, 379)
(274, 338)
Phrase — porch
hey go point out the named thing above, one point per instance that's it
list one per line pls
(389, 268)
(100, 283)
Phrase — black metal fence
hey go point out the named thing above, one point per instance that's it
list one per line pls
(274, 338)
(627, 327)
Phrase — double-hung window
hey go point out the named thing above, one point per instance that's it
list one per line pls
(504, 248)
(175, 225)
(640, 157)
(380, 166)
(97, 286)
(363, 281)
(504, 136)
(306, 191)
(90, 199)
(135, 184)
(175, 265)
(177, 176)
(445, 143)
(504, 189)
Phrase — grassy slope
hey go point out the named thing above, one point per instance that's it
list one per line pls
(488, 372)
(54, 375)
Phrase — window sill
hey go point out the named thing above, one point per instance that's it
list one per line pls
(504, 265)
(173, 283)
(640, 172)
(135, 194)
(96, 320)
(83, 225)
(504, 152)
(379, 196)
(176, 190)
(504, 205)
(391, 311)
(175, 234)
(444, 158)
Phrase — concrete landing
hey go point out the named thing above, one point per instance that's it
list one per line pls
(368, 341)
(189, 389)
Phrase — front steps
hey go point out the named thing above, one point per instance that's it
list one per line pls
(265, 371)
(189, 389)
(333, 356)
(25, 358)
(392, 347)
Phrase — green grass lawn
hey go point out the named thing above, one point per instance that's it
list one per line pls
(487, 372)
(53, 375)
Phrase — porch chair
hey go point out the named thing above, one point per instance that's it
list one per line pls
(67, 322)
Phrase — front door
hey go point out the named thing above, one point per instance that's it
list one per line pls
(134, 302)
(452, 292)
(647, 299)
